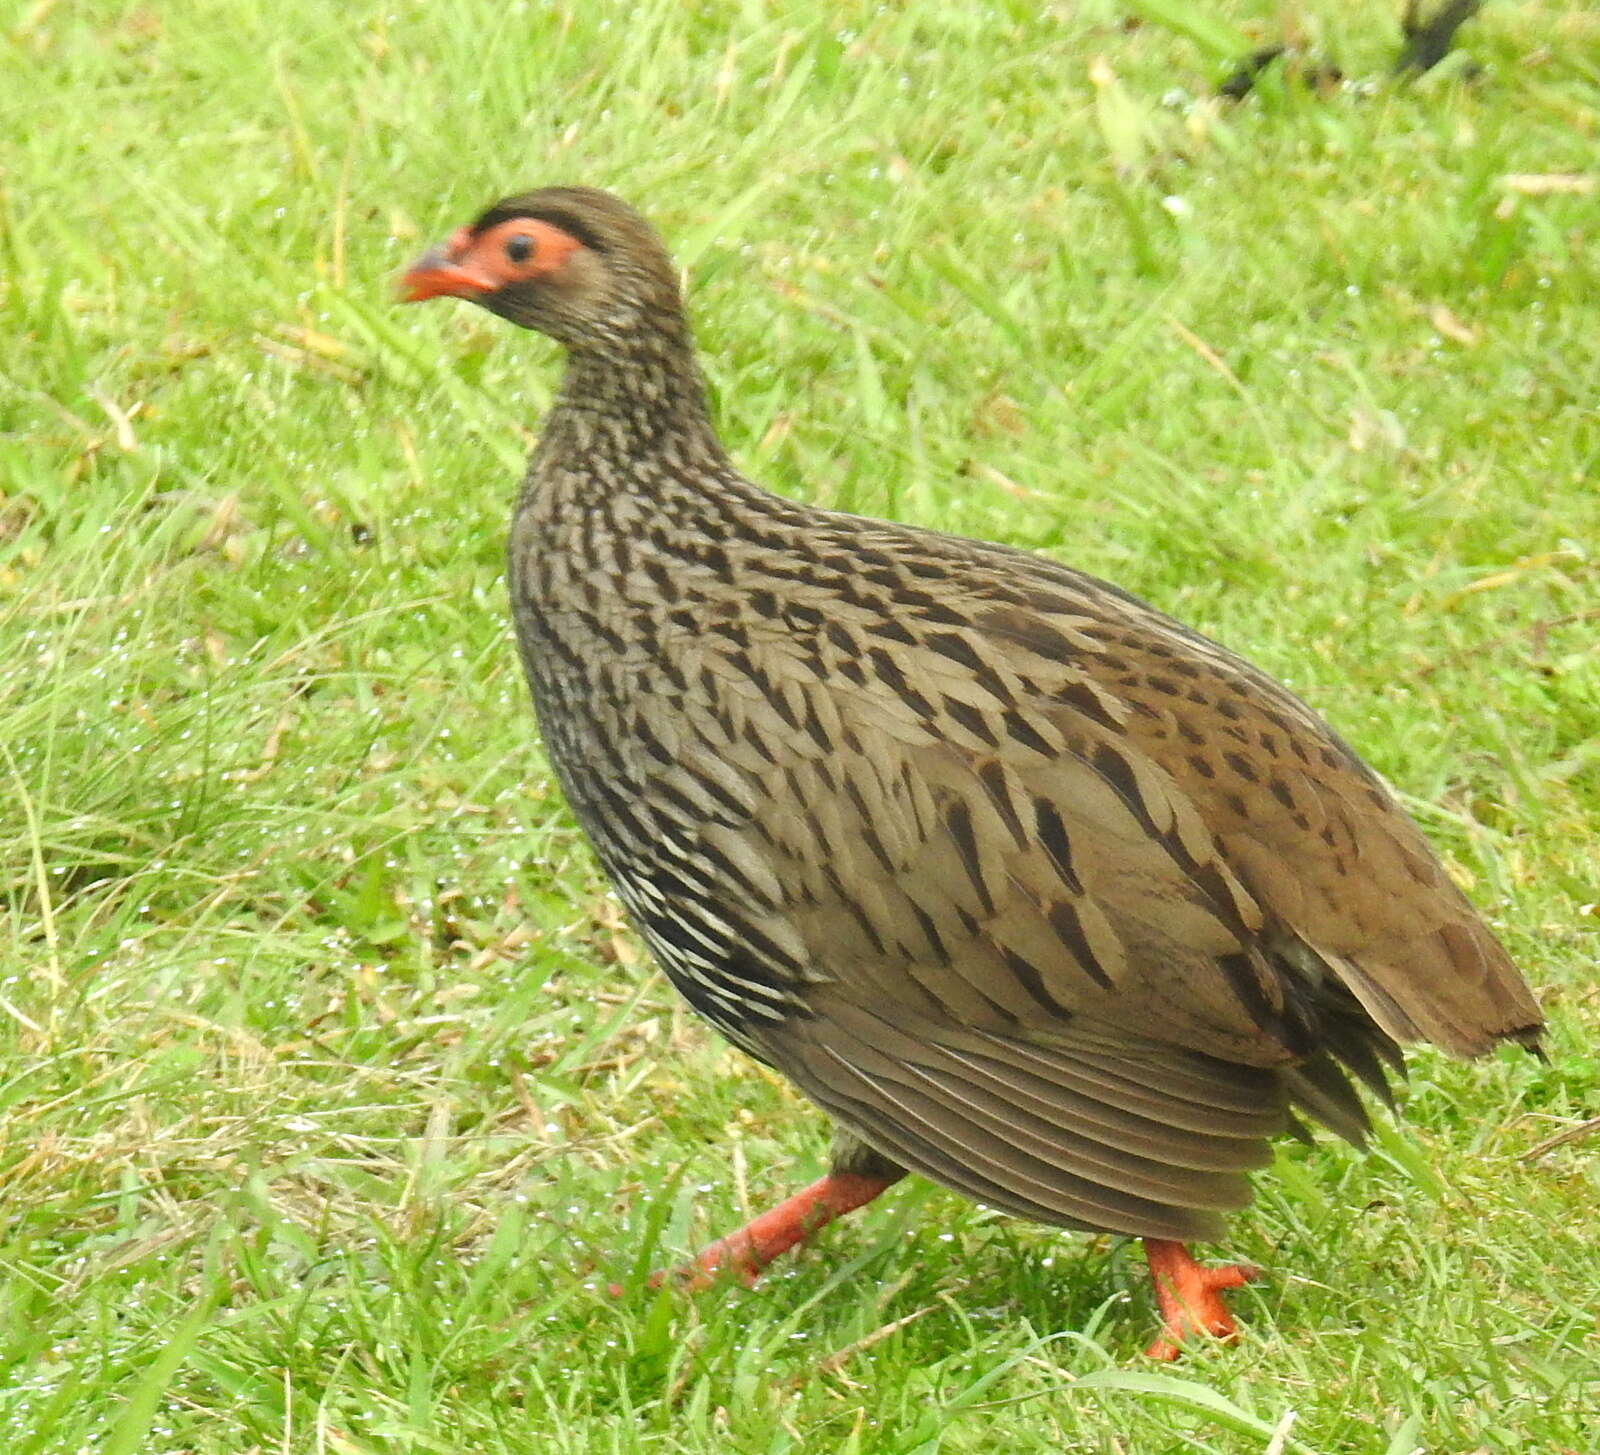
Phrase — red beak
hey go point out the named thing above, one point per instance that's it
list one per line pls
(437, 275)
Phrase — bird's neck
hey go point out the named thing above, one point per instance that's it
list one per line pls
(636, 404)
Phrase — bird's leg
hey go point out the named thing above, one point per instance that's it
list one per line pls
(856, 1175)
(749, 1250)
(1189, 1296)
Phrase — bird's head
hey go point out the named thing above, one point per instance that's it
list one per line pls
(577, 264)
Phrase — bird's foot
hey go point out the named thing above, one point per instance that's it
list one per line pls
(1189, 1296)
(743, 1254)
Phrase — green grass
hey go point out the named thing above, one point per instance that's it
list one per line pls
(333, 1088)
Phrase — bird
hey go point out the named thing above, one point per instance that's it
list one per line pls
(1032, 890)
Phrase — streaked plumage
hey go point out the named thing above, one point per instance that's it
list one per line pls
(1033, 890)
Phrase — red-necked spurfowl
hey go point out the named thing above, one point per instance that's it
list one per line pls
(1033, 890)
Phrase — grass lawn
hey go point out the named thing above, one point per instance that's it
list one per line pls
(334, 1088)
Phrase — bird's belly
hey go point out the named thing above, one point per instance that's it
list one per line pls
(652, 801)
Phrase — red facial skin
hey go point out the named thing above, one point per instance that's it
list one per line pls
(470, 264)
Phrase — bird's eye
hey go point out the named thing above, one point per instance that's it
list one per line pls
(519, 248)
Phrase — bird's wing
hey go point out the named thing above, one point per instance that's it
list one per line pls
(1341, 872)
(1008, 959)
(999, 934)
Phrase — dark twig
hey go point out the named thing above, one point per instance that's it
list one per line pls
(1428, 41)
(1239, 84)
(1314, 75)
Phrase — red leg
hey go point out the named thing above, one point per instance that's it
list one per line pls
(1189, 1296)
(763, 1238)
